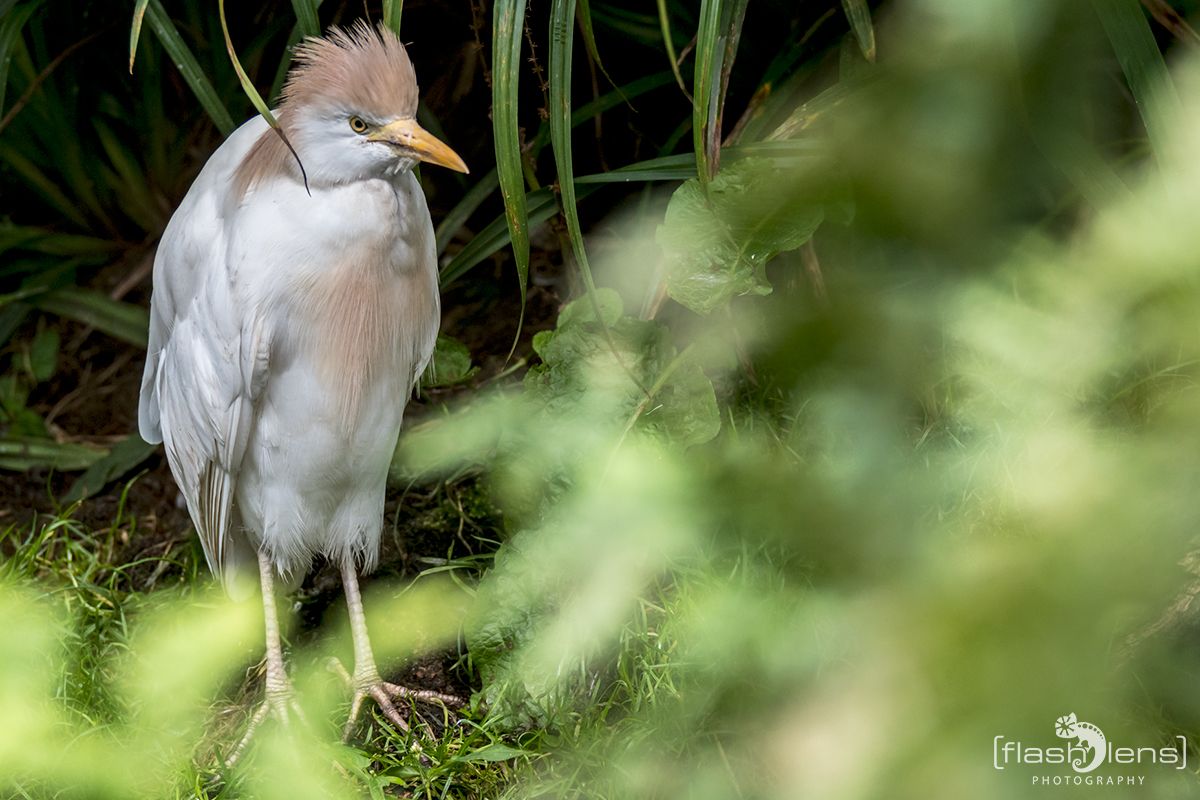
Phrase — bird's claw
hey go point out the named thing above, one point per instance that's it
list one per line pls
(383, 693)
(278, 702)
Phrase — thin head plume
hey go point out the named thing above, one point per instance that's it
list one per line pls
(362, 68)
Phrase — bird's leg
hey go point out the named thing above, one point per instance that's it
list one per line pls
(279, 689)
(279, 693)
(366, 681)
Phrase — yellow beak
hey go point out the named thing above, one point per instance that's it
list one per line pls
(408, 134)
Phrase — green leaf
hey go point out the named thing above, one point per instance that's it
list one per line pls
(188, 67)
(124, 321)
(1143, 65)
(451, 364)
(12, 22)
(497, 751)
(507, 23)
(19, 453)
(123, 458)
(707, 86)
(583, 13)
(392, 10)
(717, 242)
(578, 365)
(858, 14)
(135, 30)
(43, 354)
(306, 17)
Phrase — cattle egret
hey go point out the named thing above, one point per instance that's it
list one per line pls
(295, 305)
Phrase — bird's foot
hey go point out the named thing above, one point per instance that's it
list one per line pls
(279, 702)
(367, 683)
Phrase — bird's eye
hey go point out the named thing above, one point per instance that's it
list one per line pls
(358, 125)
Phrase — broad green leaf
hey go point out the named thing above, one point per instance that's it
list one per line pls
(717, 242)
(123, 458)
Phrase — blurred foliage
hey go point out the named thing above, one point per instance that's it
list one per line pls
(894, 457)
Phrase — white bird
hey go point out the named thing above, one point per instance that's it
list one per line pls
(291, 316)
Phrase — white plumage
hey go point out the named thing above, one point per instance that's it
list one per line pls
(290, 322)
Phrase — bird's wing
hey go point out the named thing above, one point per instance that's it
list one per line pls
(206, 367)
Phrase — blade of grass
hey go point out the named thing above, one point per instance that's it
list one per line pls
(188, 67)
(583, 14)
(392, 10)
(252, 93)
(706, 85)
(858, 14)
(508, 20)
(562, 40)
(1144, 67)
(483, 188)
(306, 17)
(540, 202)
(11, 24)
(135, 30)
(664, 22)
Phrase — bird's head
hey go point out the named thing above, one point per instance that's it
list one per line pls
(349, 108)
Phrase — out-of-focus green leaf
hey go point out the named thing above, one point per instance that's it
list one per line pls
(451, 364)
(124, 456)
(24, 453)
(858, 13)
(189, 68)
(11, 23)
(1143, 65)
(43, 354)
(123, 321)
(576, 352)
(717, 243)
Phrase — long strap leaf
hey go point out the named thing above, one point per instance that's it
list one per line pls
(706, 86)
(188, 67)
(306, 17)
(252, 93)
(508, 19)
(1143, 65)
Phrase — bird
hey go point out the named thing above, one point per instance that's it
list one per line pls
(294, 306)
